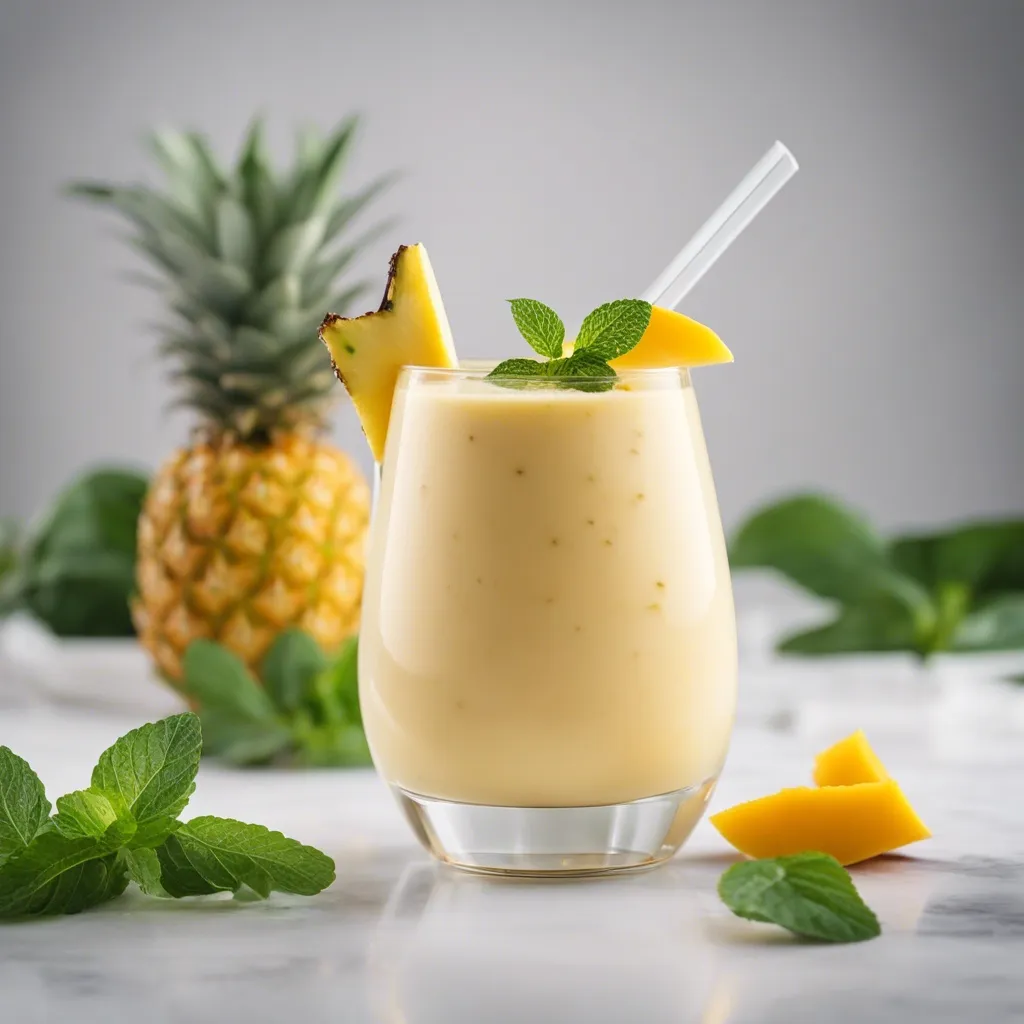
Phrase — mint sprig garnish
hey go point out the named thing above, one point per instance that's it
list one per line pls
(613, 329)
(540, 325)
(125, 827)
(606, 333)
(809, 894)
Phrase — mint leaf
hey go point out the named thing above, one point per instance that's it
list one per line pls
(566, 370)
(239, 720)
(151, 772)
(24, 809)
(517, 368)
(143, 867)
(290, 666)
(609, 331)
(540, 325)
(586, 363)
(211, 854)
(613, 329)
(85, 814)
(57, 875)
(809, 894)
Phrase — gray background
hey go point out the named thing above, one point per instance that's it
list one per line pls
(566, 151)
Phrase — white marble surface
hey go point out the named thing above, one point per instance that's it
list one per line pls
(398, 939)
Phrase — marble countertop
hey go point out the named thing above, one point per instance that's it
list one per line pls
(399, 939)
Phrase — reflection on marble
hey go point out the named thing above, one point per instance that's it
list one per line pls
(400, 940)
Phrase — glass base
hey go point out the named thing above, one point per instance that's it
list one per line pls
(556, 841)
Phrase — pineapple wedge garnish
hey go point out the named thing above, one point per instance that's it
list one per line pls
(671, 339)
(409, 329)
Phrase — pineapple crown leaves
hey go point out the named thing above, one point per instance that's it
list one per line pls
(247, 258)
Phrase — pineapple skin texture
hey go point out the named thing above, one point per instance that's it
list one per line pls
(237, 543)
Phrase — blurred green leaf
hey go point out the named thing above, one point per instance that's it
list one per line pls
(100, 509)
(235, 235)
(81, 593)
(881, 624)
(293, 248)
(818, 544)
(8, 546)
(77, 571)
(345, 679)
(318, 167)
(344, 211)
(291, 665)
(335, 747)
(996, 626)
(959, 590)
(305, 713)
(152, 214)
(239, 720)
(989, 557)
(192, 173)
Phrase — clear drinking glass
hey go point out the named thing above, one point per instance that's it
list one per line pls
(548, 649)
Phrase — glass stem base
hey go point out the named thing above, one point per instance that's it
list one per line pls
(556, 841)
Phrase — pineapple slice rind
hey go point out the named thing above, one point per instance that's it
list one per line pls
(409, 329)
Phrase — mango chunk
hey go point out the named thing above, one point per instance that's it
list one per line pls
(849, 762)
(852, 823)
(672, 339)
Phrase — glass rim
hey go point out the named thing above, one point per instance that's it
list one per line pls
(478, 369)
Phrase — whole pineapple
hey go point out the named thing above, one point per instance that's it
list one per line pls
(258, 525)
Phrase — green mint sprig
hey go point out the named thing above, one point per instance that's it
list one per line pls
(809, 894)
(24, 809)
(125, 827)
(606, 333)
(306, 712)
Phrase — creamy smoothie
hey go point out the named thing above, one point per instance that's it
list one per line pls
(548, 617)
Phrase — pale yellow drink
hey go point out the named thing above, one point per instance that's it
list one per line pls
(548, 617)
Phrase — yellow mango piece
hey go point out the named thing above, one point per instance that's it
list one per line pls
(409, 329)
(671, 339)
(852, 823)
(849, 762)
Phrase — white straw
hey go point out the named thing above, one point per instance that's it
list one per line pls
(722, 228)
